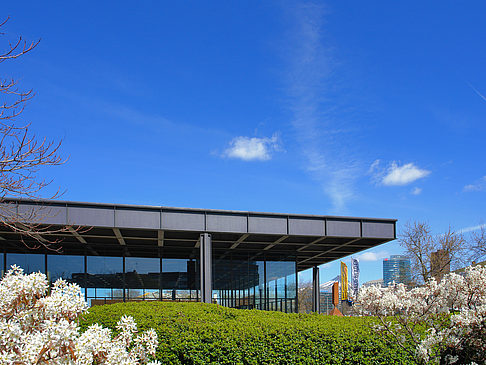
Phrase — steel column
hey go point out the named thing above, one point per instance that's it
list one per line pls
(315, 289)
(206, 267)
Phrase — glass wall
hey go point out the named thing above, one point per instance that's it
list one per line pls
(238, 282)
(27, 261)
(180, 279)
(142, 278)
(259, 284)
(281, 288)
(69, 268)
(234, 282)
(104, 279)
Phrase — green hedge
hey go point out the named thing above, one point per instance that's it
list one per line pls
(196, 333)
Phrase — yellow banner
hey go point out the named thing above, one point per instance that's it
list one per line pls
(344, 281)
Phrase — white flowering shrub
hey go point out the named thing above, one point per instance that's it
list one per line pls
(445, 321)
(37, 328)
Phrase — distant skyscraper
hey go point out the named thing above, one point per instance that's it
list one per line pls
(397, 269)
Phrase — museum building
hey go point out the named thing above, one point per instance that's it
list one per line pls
(236, 259)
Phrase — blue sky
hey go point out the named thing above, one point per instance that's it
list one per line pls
(372, 109)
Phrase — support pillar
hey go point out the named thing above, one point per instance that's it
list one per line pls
(206, 268)
(315, 289)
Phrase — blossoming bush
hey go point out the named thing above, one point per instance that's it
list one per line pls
(37, 328)
(446, 321)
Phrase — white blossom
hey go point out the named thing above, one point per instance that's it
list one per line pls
(38, 328)
(453, 313)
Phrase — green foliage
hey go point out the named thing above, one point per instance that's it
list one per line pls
(196, 333)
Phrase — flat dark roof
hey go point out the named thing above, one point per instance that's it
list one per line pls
(142, 230)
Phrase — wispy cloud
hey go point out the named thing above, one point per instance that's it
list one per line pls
(477, 92)
(479, 185)
(416, 191)
(252, 148)
(396, 175)
(310, 87)
(472, 228)
(373, 255)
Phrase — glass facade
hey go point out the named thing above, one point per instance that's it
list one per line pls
(397, 269)
(238, 282)
(248, 284)
(29, 262)
(69, 268)
(142, 278)
(104, 279)
(180, 280)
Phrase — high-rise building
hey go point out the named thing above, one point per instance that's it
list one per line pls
(397, 269)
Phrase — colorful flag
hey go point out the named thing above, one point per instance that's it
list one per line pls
(355, 277)
(344, 281)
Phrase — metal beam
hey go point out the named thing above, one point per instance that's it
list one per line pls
(330, 250)
(160, 238)
(77, 235)
(119, 236)
(312, 243)
(316, 299)
(206, 267)
(239, 240)
(275, 243)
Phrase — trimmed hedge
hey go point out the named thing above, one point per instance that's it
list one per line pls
(197, 333)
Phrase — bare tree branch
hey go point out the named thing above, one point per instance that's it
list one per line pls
(420, 245)
(22, 156)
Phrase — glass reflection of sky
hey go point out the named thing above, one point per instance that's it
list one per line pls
(29, 262)
(64, 266)
(174, 265)
(142, 265)
(105, 265)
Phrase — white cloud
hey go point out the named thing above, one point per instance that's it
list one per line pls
(416, 191)
(373, 256)
(403, 175)
(250, 149)
(479, 185)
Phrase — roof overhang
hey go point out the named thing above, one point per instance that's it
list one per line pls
(112, 229)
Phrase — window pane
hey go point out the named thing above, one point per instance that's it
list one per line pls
(104, 279)
(27, 261)
(281, 285)
(69, 268)
(142, 278)
(180, 280)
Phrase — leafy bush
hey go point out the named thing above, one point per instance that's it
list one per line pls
(197, 333)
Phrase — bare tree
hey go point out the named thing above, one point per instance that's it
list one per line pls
(22, 155)
(478, 244)
(432, 255)
(305, 297)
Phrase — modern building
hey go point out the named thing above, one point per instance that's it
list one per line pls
(377, 282)
(397, 269)
(233, 258)
(440, 264)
